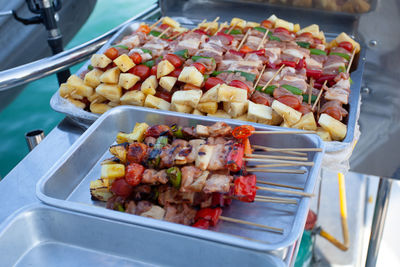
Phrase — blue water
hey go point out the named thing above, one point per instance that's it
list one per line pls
(31, 109)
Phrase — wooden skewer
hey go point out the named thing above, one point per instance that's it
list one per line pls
(275, 157)
(283, 199)
(283, 132)
(280, 185)
(155, 23)
(208, 27)
(198, 26)
(259, 77)
(275, 201)
(277, 171)
(279, 230)
(231, 28)
(270, 149)
(273, 149)
(287, 149)
(274, 165)
(177, 35)
(243, 40)
(294, 163)
(351, 60)
(221, 26)
(319, 95)
(163, 32)
(310, 90)
(94, 101)
(273, 77)
(263, 40)
(304, 194)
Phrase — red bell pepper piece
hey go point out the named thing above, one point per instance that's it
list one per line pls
(315, 74)
(202, 224)
(234, 161)
(238, 53)
(208, 214)
(200, 31)
(228, 36)
(301, 64)
(288, 63)
(260, 52)
(324, 78)
(245, 188)
(218, 200)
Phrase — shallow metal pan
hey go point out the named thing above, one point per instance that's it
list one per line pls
(66, 185)
(353, 107)
(39, 235)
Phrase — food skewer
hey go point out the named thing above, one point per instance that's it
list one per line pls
(319, 95)
(287, 149)
(304, 194)
(277, 171)
(243, 40)
(279, 230)
(310, 90)
(351, 60)
(268, 200)
(294, 163)
(155, 23)
(221, 26)
(275, 157)
(273, 77)
(263, 40)
(280, 185)
(259, 77)
(231, 28)
(162, 33)
(208, 27)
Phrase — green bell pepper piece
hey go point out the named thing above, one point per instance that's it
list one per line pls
(249, 76)
(182, 53)
(260, 29)
(313, 98)
(177, 131)
(317, 52)
(149, 63)
(303, 44)
(292, 89)
(343, 55)
(122, 46)
(234, 31)
(269, 90)
(195, 58)
(274, 38)
(146, 51)
(90, 67)
(175, 177)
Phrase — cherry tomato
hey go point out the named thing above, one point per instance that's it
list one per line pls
(290, 101)
(121, 188)
(304, 109)
(306, 34)
(143, 28)
(176, 73)
(241, 132)
(133, 174)
(174, 60)
(227, 36)
(346, 45)
(164, 95)
(315, 74)
(240, 84)
(140, 70)
(111, 53)
(280, 29)
(189, 86)
(163, 26)
(334, 112)
(246, 49)
(267, 24)
(153, 70)
(238, 53)
(200, 67)
(211, 82)
(136, 58)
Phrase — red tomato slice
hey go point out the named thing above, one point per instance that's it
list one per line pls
(136, 58)
(153, 70)
(189, 86)
(140, 70)
(176, 73)
(346, 45)
(240, 84)
(133, 174)
(164, 95)
(290, 101)
(306, 34)
(121, 188)
(241, 132)
(112, 53)
(211, 82)
(304, 109)
(200, 67)
(174, 60)
(334, 112)
(283, 30)
(267, 24)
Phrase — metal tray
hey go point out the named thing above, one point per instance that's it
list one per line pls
(60, 105)
(43, 236)
(66, 185)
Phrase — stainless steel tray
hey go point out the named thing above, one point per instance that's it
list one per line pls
(39, 235)
(61, 105)
(66, 185)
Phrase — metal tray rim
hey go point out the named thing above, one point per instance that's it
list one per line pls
(167, 226)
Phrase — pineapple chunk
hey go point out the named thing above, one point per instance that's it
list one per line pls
(114, 104)
(337, 129)
(212, 26)
(110, 76)
(252, 24)
(149, 86)
(284, 124)
(208, 107)
(191, 75)
(110, 91)
(99, 108)
(211, 95)
(284, 24)
(100, 61)
(135, 98)
(92, 78)
(97, 98)
(170, 22)
(290, 115)
(240, 23)
(235, 109)
(100, 189)
(220, 114)
(112, 171)
(181, 108)
(307, 122)
(323, 134)
(189, 97)
(296, 27)
(273, 18)
(244, 118)
(197, 112)
(204, 156)
(156, 102)
(124, 62)
(228, 93)
(258, 112)
(78, 87)
(127, 80)
(136, 135)
(65, 91)
(119, 151)
(313, 29)
(168, 82)
(77, 103)
(343, 37)
(164, 68)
